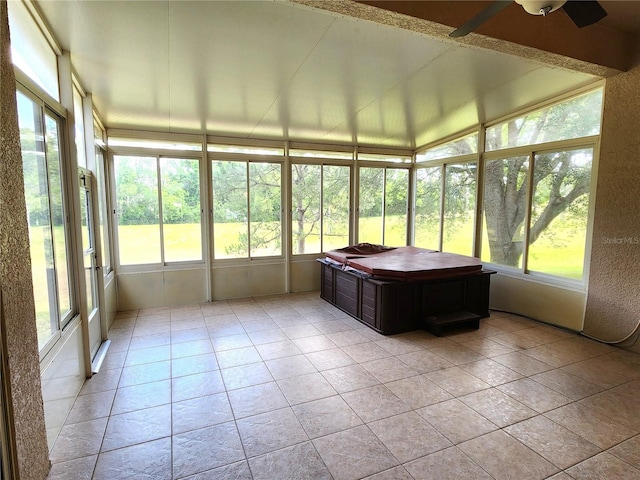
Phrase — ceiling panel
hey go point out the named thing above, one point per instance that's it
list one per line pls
(282, 70)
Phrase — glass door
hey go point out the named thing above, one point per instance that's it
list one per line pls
(88, 222)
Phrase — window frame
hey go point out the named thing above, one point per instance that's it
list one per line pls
(157, 155)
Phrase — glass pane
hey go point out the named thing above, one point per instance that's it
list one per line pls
(459, 208)
(427, 220)
(376, 157)
(558, 226)
(575, 118)
(78, 114)
(154, 144)
(220, 148)
(461, 146)
(370, 224)
(264, 207)
(305, 208)
(137, 206)
(505, 205)
(59, 230)
(335, 207)
(103, 211)
(36, 190)
(181, 209)
(299, 152)
(85, 219)
(395, 211)
(230, 210)
(89, 282)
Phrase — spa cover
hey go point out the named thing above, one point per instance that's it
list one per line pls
(409, 263)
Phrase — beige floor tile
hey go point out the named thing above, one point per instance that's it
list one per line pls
(567, 384)
(142, 396)
(365, 352)
(77, 469)
(256, 399)
(205, 449)
(395, 473)
(457, 354)
(305, 388)
(589, 424)
(534, 395)
(90, 407)
(424, 361)
(521, 363)
(287, 367)
(603, 371)
(314, 344)
(246, 375)
(197, 385)
(229, 342)
(556, 354)
(374, 403)
(271, 351)
(238, 357)
(621, 404)
(388, 369)
(353, 454)
(350, 377)
(456, 381)
(329, 359)
(491, 372)
(487, 347)
(291, 463)
(200, 412)
(448, 464)
(497, 407)
(270, 431)
(495, 453)
(629, 451)
(149, 372)
(78, 440)
(181, 367)
(456, 421)
(418, 391)
(325, 416)
(604, 466)
(350, 337)
(560, 446)
(398, 345)
(146, 460)
(135, 427)
(408, 436)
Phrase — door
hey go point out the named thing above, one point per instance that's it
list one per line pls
(88, 225)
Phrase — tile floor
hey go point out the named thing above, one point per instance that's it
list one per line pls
(289, 387)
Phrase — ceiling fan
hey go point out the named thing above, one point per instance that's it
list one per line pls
(582, 13)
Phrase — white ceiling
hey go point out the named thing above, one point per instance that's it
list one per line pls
(256, 69)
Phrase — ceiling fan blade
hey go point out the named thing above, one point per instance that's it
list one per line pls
(470, 25)
(584, 13)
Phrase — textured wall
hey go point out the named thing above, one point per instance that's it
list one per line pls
(613, 308)
(18, 310)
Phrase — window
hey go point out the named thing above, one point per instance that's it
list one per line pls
(383, 208)
(320, 207)
(460, 146)
(575, 118)
(505, 198)
(246, 209)
(536, 204)
(158, 208)
(559, 212)
(46, 212)
(458, 221)
(427, 217)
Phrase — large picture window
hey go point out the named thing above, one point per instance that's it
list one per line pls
(158, 209)
(320, 207)
(246, 209)
(46, 212)
(536, 204)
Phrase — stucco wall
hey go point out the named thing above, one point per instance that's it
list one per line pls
(613, 308)
(18, 310)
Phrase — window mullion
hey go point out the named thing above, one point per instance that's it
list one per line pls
(527, 220)
(160, 215)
